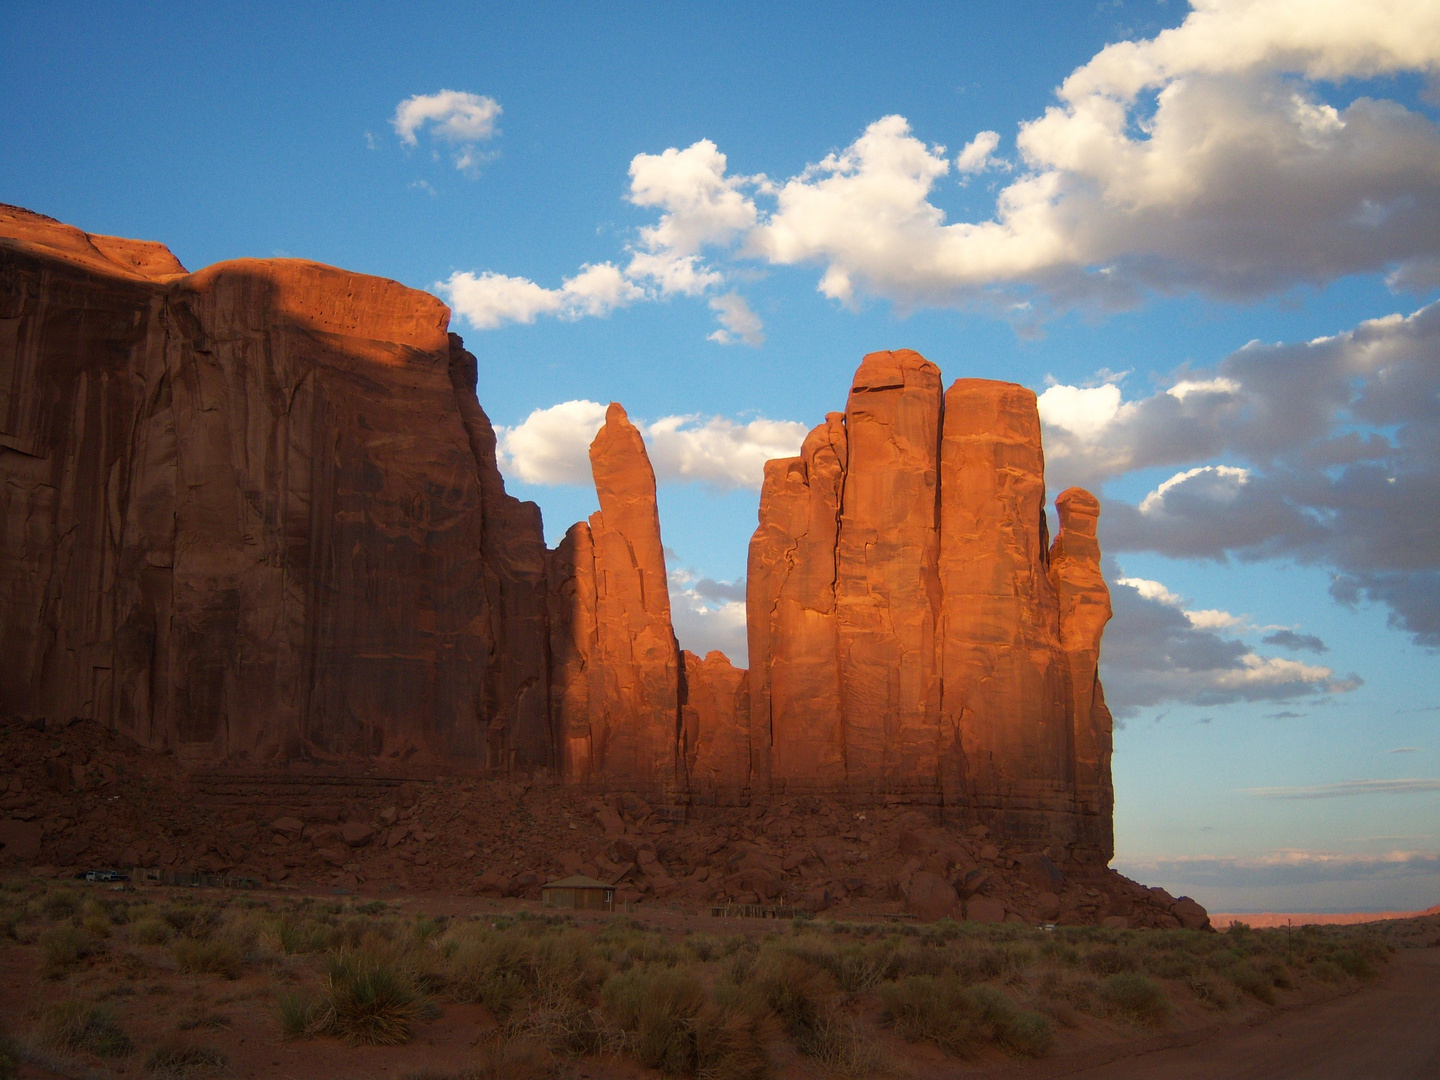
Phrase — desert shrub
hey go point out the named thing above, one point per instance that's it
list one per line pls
(840, 1046)
(218, 956)
(297, 1012)
(1021, 1032)
(63, 948)
(655, 1006)
(1170, 965)
(730, 1043)
(701, 947)
(1136, 998)
(939, 1010)
(192, 920)
(1111, 960)
(496, 970)
(1359, 962)
(369, 998)
(670, 1023)
(176, 1060)
(1253, 981)
(96, 925)
(372, 907)
(149, 930)
(792, 987)
(425, 927)
(1210, 991)
(922, 959)
(1327, 971)
(59, 904)
(298, 936)
(72, 1027)
(856, 967)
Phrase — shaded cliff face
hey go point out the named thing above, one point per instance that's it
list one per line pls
(912, 636)
(244, 510)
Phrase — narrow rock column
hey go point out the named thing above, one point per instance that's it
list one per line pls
(1005, 715)
(570, 601)
(795, 684)
(634, 679)
(1084, 611)
(887, 588)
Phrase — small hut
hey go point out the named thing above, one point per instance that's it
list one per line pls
(578, 893)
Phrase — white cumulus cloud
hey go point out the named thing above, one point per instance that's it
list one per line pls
(453, 116)
(489, 300)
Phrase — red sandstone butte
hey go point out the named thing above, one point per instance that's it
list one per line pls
(245, 510)
(253, 514)
(910, 636)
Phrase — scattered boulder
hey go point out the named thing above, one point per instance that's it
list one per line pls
(356, 833)
(1038, 869)
(984, 909)
(931, 897)
(290, 827)
(1191, 915)
(1115, 922)
(492, 883)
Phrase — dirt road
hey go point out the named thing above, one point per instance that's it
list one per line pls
(1390, 1031)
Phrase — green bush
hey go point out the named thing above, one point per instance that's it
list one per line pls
(72, 1027)
(1137, 998)
(369, 998)
(297, 1012)
(1016, 1031)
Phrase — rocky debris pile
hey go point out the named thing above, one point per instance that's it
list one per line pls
(94, 799)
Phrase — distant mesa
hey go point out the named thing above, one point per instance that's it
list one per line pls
(253, 514)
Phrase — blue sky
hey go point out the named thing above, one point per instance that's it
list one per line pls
(1212, 247)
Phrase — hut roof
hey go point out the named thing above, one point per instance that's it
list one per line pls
(576, 881)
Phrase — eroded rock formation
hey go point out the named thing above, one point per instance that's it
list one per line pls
(245, 512)
(912, 635)
(254, 513)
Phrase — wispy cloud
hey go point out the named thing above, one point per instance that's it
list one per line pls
(1347, 789)
(1285, 867)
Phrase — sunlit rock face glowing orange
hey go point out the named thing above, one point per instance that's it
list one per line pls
(254, 514)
